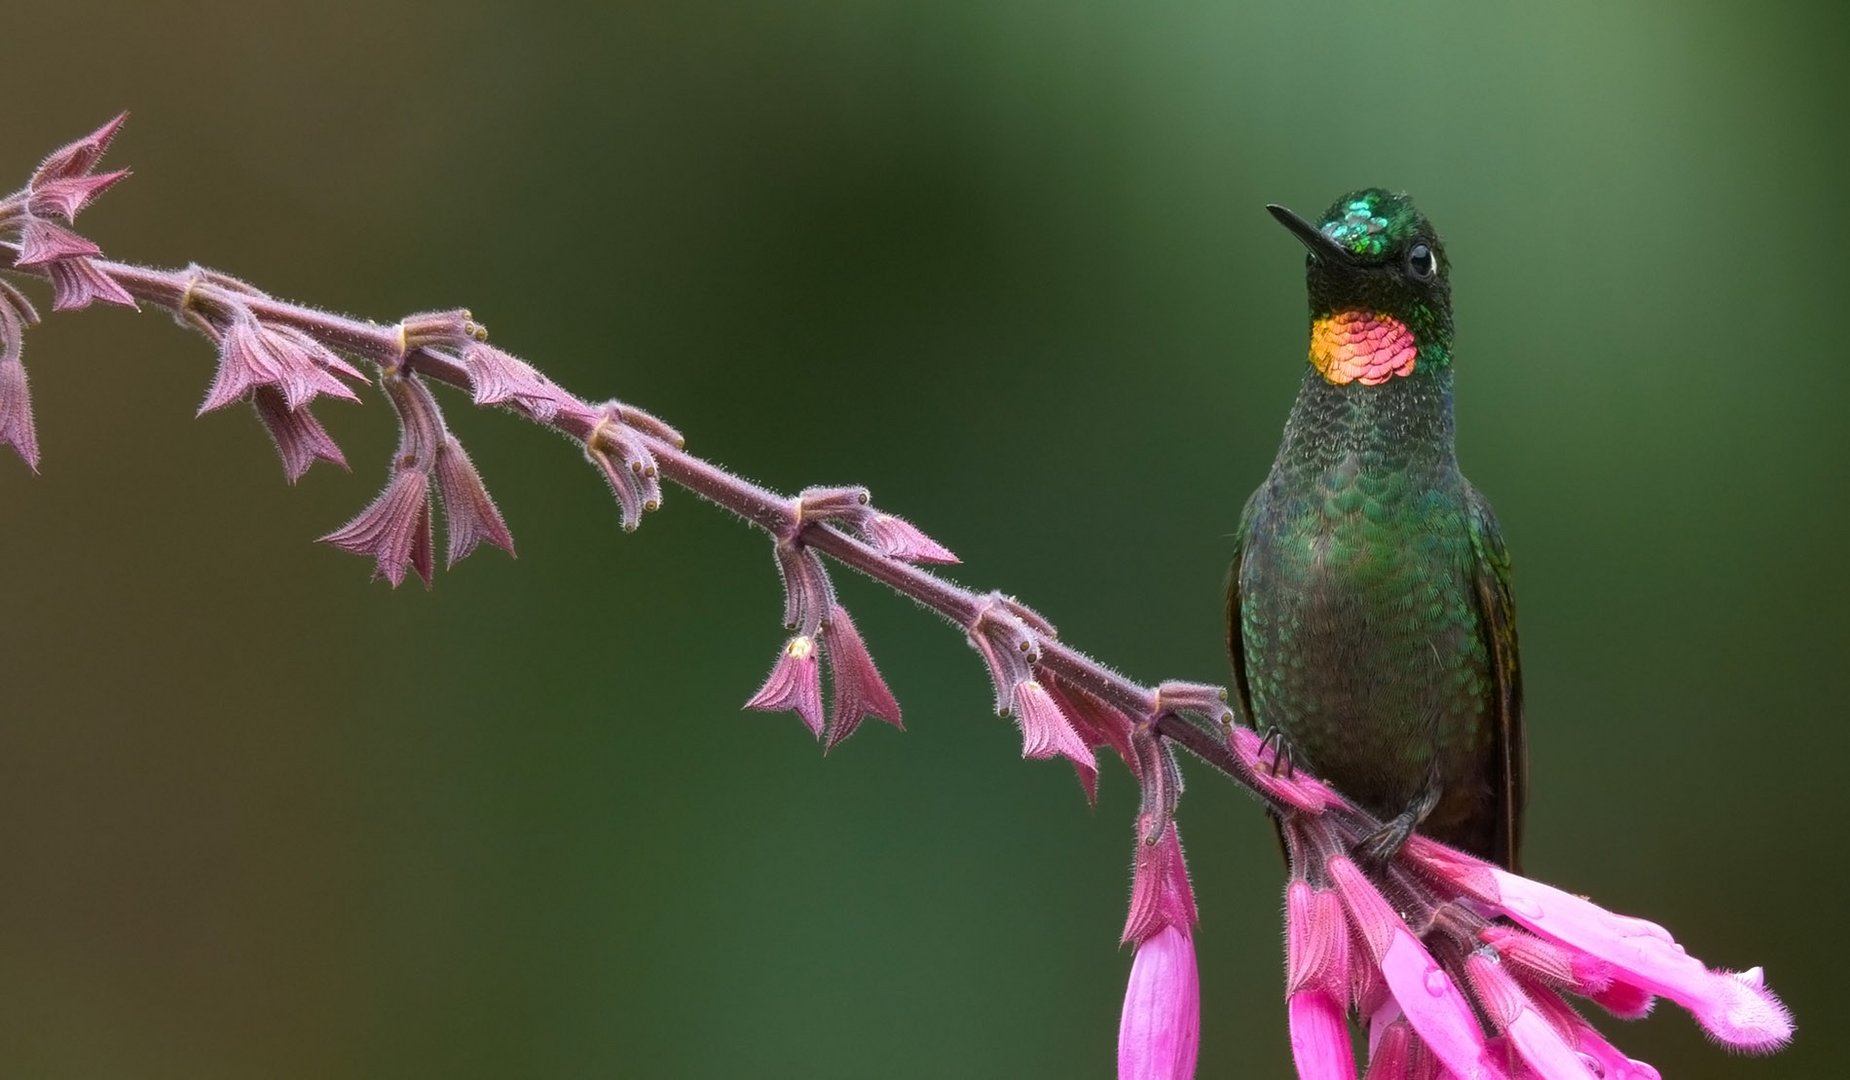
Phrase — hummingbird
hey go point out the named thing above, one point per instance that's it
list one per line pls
(1369, 613)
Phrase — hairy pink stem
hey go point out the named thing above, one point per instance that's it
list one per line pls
(774, 513)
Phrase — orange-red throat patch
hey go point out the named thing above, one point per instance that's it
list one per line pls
(1361, 346)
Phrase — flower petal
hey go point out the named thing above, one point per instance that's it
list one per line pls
(1319, 1037)
(1735, 1008)
(1159, 1031)
(1529, 1030)
(1437, 1010)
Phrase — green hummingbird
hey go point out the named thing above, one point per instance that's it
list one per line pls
(1369, 614)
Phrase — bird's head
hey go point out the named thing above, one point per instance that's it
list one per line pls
(1380, 298)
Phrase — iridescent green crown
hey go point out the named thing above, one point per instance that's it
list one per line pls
(1371, 222)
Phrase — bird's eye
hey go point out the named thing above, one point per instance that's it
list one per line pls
(1422, 263)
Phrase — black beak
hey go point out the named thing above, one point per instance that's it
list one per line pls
(1320, 245)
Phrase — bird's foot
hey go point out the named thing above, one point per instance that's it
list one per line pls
(1282, 762)
(1378, 848)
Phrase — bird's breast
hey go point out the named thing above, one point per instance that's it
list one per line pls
(1359, 623)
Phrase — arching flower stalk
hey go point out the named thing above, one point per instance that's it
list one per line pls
(1455, 966)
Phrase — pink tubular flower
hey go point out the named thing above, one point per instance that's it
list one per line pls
(1317, 983)
(794, 685)
(1436, 1008)
(1734, 1007)
(1159, 1030)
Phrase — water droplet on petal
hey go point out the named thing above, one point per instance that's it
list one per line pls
(1436, 982)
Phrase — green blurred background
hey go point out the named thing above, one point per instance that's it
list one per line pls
(1005, 263)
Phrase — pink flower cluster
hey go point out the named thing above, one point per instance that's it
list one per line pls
(62, 185)
(1424, 946)
(823, 630)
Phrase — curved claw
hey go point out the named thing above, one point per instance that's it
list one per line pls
(1284, 762)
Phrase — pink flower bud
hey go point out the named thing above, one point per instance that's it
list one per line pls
(1319, 1037)
(1203, 699)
